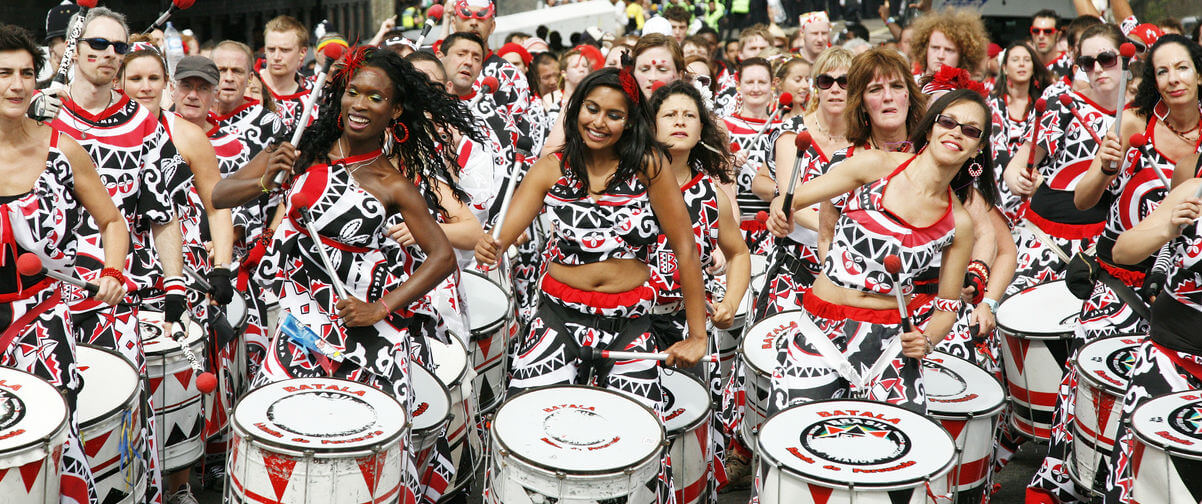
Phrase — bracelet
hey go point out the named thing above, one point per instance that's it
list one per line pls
(979, 268)
(263, 185)
(991, 303)
(174, 285)
(386, 310)
(948, 305)
(929, 347)
(1109, 173)
(115, 273)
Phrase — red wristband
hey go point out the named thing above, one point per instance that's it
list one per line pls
(113, 272)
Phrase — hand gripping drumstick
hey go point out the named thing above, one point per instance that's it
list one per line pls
(588, 353)
(524, 144)
(332, 51)
(303, 201)
(893, 265)
(488, 85)
(29, 264)
(1126, 51)
(802, 142)
(175, 4)
(1067, 101)
(433, 17)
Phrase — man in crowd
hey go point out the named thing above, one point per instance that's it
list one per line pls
(285, 42)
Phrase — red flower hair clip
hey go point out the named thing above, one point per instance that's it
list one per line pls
(950, 78)
(350, 63)
(629, 85)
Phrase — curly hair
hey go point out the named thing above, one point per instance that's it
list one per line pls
(1040, 76)
(878, 62)
(961, 183)
(715, 164)
(963, 27)
(636, 148)
(16, 38)
(829, 59)
(1148, 94)
(427, 111)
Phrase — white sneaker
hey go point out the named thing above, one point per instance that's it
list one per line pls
(183, 496)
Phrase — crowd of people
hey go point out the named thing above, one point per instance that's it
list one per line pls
(619, 187)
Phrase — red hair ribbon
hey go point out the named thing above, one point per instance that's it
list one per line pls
(950, 78)
(351, 61)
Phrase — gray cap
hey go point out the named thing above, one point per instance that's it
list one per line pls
(197, 66)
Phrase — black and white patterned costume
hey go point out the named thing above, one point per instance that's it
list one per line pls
(759, 149)
(1009, 134)
(290, 107)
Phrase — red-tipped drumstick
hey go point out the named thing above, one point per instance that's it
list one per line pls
(1040, 105)
(87, 4)
(303, 203)
(1126, 51)
(588, 353)
(761, 216)
(1135, 153)
(488, 85)
(783, 103)
(433, 17)
(29, 264)
(1067, 101)
(175, 4)
(802, 142)
(893, 265)
(333, 52)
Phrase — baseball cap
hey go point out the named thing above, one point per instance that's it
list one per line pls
(58, 19)
(658, 25)
(197, 66)
(1146, 33)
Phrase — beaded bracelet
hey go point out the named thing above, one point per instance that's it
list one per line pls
(979, 268)
(115, 273)
(948, 305)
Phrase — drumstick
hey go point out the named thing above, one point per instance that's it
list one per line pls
(588, 353)
(175, 4)
(1067, 101)
(206, 381)
(1137, 142)
(785, 102)
(524, 145)
(433, 17)
(893, 265)
(29, 264)
(1040, 105)
(199, 283)
(303, 201)
(802, 142)
(73, 34)
(332, 51)
(488, 86)
(1126, 51)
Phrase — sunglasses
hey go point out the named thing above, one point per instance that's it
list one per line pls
(101, 44)
(1107, 59)
(825, 82)
(479, 13)
(1042, 31)
(969, 131)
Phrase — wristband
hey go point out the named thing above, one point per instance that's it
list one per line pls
(386, 310)
(991, 303)
(1109, 173)
(263, 185)
(174, 284)
(891, 20)
(948, 305)
(115, 273)
(981, 269)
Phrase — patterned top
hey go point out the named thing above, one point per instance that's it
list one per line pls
(1009, 132)
(514, 99)
(701, 198)
(255, 127)
(1184, 282)
(867, 231)
(617, 225)
(290, 107)
(43, 221)
(1070, 149)
(759, 148)
(127, 144)
(1062, 66)
(189, 208)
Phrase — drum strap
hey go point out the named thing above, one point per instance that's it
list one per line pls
(628, 329)
(18, 325)
(1047, 240)
(837, 361)
(1125, 293)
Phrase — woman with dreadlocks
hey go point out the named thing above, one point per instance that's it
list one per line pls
(343, 179)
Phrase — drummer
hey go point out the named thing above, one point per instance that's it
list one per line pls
(367, 336)
(47, 186)
(853, 301)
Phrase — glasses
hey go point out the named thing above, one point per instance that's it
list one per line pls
(969, 131)
(101, 44)
(1035, 32)
(466, 12)
(1107, 59)
(825, 82)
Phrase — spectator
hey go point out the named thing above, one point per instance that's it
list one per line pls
(816, 34)
(679, 18)
(544, 73)
(1170, 25)
(517, 55)
(695, 46)
(1044, 36)
(953, 37)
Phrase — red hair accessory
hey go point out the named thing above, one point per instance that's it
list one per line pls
(349, 64)
(950, 78)
(629, 85)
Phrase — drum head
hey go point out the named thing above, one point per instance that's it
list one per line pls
(576, 429)
(957, 388)
(863, 443)
(320, 414)
(236, 310)
(762, 340)
(450, 360)
(1046, 310)
(431, 404)
(487, 301)
(759, 265)
(109, 383)
(31, 410)
(154, 341)
(1106, 363)
(686, 401)
(1172, 422)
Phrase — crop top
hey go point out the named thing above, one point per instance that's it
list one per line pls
(618, 225)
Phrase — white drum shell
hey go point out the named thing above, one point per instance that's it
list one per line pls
(430, 398)
(176, 401)
(492, 328)
(759, 350)
(1169, 456)
(1098, 405)
(462, 436)
(107, 374)
(970, 414)
(688, 444)
(40, 398)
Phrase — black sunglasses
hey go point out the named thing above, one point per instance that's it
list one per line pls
(101, 44)
(825, 81)
(970, 131)
(1107, 59)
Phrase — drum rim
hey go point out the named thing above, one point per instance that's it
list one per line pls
(1154, 443)
(492, 326)
(174, 348)
(743, 355)
(1096, 383)
(982, 412)
(1030, 335)
(250, 436)
(245, 309)
(446, 419)
(509, 451)
(701, 419)
(908, 483)
(60, 430)
(123, 405)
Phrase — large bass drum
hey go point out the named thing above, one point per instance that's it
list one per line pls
(491, 316)
(761, 346)
(110, 423)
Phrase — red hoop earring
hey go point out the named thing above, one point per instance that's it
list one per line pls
(403, 128)
(338, 122)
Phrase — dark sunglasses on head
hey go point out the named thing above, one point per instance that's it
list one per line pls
(969, 131)
(1106, 59)
(825, 81)
(101, 44)
(1042, 31)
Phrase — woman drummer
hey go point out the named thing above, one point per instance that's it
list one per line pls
(47, 184)
(1012, 103)
(750, 129)
(903, 205)
(345, 187)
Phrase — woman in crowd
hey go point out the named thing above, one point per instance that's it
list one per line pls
(952, 37)
(793, 77)
(1018, 86)
(657, 58)
(749, 128)
(47, 184)
(575, 65)
(342, 179)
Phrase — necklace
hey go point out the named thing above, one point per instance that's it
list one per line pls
(355, 166)
(83, 132)
(822, 129)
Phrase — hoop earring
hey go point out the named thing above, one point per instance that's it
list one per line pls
(975, 169)
(402, 139)
(338, 121)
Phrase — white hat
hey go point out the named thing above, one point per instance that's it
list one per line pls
(657, 24)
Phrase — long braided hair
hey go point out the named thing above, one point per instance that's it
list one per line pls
(428, 115)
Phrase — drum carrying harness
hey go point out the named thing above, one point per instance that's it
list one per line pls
(1122, 290)
(837, 361)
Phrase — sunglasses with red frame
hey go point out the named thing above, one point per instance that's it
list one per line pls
(1035, 32)
(466, 12)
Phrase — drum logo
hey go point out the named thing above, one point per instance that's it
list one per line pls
(1187, 420)
(12, 411)
(1121, 362)
(670, 409)
(578, 428)
(855, 440)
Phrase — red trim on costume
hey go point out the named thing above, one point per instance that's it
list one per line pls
(822, 308)
(567, 293)
(1131, 278)
(1061, 230)
(753, 225)
(247, 103)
